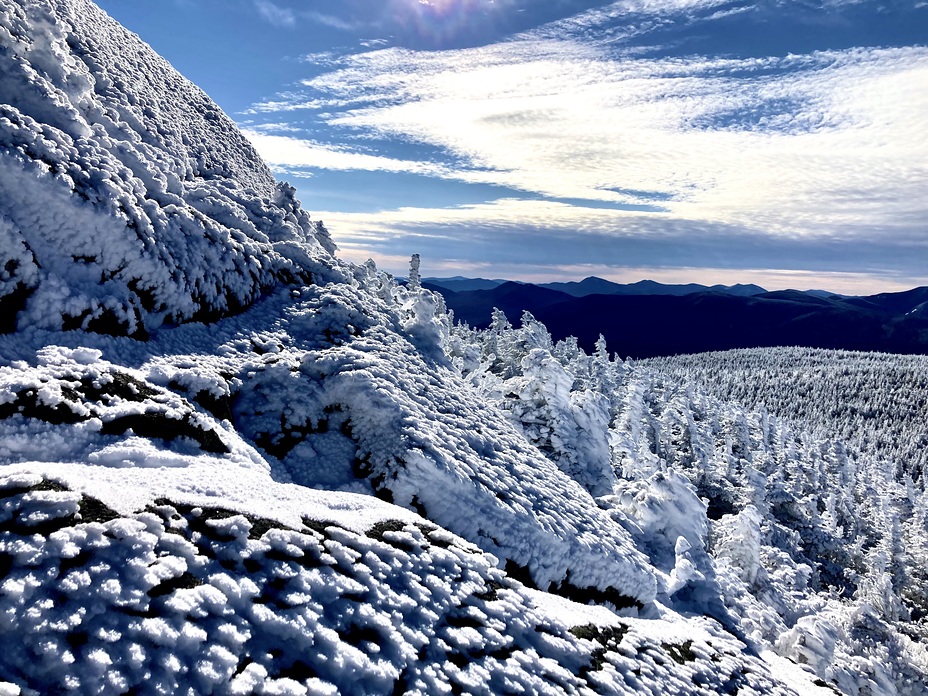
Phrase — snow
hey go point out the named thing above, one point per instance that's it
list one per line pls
(794, 676)
(328, 488)
(187, 595)
(136, 200)
(793, 541)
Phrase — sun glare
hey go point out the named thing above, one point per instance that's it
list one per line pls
(445, 20)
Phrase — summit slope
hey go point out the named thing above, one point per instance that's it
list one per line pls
(121, 203)
(127, 198)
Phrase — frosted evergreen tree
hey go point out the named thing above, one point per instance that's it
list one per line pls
(415, 280)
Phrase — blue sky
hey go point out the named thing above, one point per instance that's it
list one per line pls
(768, 141)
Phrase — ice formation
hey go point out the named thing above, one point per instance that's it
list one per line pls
(328, 488)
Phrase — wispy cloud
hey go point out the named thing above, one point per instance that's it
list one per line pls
(330, 20)
(374, 43)
(543, 240)
(801, 144)
(807, 161)
(628, 18)
(273, 128)
(299, 156)
(275, 14)
(584, 224)
(286, 103)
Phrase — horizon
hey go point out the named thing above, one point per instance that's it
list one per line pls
(703, 141)
(630, 279)
(777, 284)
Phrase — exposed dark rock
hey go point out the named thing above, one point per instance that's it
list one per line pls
(156, 424)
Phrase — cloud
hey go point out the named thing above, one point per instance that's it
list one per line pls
(789, 163)
(330, 21)
(275, 14)
(280, 127)
(374, 43)
(298, 156)
(545, 239)
(629, 18)
(805, 144)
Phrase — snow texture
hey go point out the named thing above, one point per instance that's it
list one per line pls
(331, 489)
(189, 597)
(811, 549)
(127, 198)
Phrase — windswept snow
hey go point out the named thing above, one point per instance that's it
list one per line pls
(339, 400)
(330, 489)
(805, 546)
(127, 198)
(189, 596)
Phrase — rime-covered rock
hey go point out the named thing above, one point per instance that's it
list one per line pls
(127, 198)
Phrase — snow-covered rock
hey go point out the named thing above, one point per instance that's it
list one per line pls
(300, 592)
(127, 198)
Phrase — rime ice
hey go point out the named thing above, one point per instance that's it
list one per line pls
(329, 488)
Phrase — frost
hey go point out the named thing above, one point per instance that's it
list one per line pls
(126, 197)
(332, 489)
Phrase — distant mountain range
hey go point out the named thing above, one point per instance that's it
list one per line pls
(598, 286)
(649, 319)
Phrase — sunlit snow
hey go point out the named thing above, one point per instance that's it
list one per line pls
(331, 488)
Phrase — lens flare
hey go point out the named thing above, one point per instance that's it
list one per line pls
(444, 22)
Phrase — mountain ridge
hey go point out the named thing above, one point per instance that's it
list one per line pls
(593, 285)
(643, 326)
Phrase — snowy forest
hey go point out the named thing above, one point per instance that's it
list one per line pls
(232, 463)
(830, 506)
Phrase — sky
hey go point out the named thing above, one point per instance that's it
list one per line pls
(781, 142)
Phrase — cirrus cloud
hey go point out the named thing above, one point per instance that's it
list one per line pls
(802, 144)
(816, 149)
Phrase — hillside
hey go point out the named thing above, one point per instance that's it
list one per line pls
(876, 403)
(475, 306)
(677, 320)
(812, 546)
(232, 463)
(129, 199)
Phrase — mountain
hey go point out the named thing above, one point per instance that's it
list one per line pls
(138, 202)
(661, 325)
(896, 303)
(588, 286)
(475, 306)
(232, 463)
(642, 326)
(822, 293)
(597, 286)
(741, 289)
(131, 206)
(461, 284)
